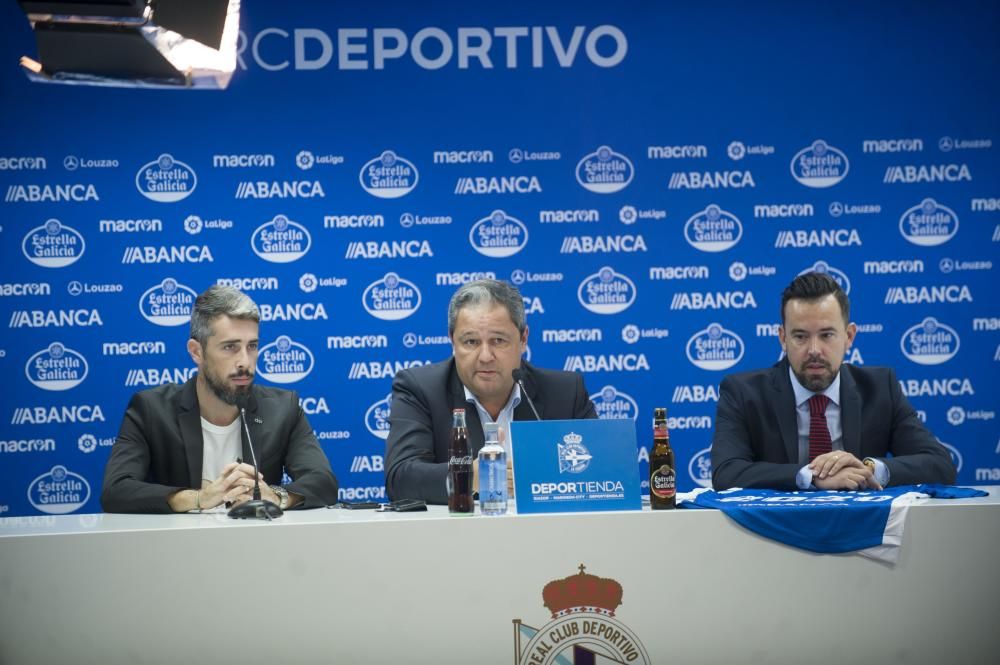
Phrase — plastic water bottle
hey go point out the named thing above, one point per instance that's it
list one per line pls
(492, 473)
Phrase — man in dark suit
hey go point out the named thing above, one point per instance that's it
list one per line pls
(811, 422)
(486, 324)
(182, 447)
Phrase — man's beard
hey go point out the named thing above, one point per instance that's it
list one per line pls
(814, 382)
(230, 395)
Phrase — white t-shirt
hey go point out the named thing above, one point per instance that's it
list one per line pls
(222, 446)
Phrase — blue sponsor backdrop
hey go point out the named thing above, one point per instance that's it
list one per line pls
(650, 174)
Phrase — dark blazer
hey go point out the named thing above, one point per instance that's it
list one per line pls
(756, 434)
(416, 459)
(159, 449)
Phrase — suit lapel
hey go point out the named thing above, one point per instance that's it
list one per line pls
(850, 412)
(787, 419)
(189, 420)
(472, 421)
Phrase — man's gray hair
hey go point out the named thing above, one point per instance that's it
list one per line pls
(487, 292)
(218, 301)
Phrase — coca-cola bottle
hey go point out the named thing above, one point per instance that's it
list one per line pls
(459, 481)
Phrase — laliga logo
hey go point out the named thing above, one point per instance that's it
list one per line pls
(56, 368)
(281, 240)
(838, 276)
(59, 491)
(930, 342)
(53, 245)
(377, 417)
(166, 180)
(391, 298)
(713, 230)
(604, 171)
(956, 457)
(700, 467)
(928, 224)
(714, 348)
(388, 176)
(573, 455)
(606, 292)
(284, 361)
(612, 404)
(820, 165)
(498, 235)
(169, 303)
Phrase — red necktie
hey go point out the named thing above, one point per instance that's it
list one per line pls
(819, 434)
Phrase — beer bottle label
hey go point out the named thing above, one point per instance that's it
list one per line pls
(662, 482)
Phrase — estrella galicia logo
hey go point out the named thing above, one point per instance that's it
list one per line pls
(169, 303)
(820, 165)
(56, 368)
(377, 417)
(604, 171)
(284, 361)
(714, 348)
(281, 240)
(389, 176)
(930, 342)
(573, 455)
(700, 467)
(606, 292)
(929, 224)
(498, 235)
(59, 491)
(839, 276)
(53, 245)
(391, 298)
(166, 180)
(613, 404)
(713, 230)
(956, 456)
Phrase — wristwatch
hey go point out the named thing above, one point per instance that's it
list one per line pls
(282, 495)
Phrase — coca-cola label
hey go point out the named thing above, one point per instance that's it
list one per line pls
(460, 461)
(662, 482)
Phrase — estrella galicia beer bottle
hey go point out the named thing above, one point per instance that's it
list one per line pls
(662, 478)
(459, 467)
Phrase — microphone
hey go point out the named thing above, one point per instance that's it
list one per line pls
(518, 375)
(256, 508)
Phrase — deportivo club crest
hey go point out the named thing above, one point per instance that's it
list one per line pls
(573, 455)
(583, 628)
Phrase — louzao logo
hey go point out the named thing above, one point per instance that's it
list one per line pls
(700, 467)
(604, 171)
(388, 176)
(59, 491)
(714, 348)
(573, 455)
(377, 417)
(613, 404)
(166, 180)
(929, 224)
(839, 276)
(713, 230)
(930, 342)
(56, 368)
(820, 165)
(169, 303)
(391, 298)
(606, 292)
(499, 235)
(281, 240)
(284, 361)
(583, 626)
(53, 245)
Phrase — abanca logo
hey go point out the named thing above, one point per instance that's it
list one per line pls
(284, 361)
(930, 342)
(713, 230)
(56, 368)
(613, 404)
(714, 348)
(929, 224)
(820, 165)
(281, 240)
(498, 235)
(388, 176)
(604, 171)
(606, 292)
(166, 180)
(169, 303)
(391, 298)
(53, 245)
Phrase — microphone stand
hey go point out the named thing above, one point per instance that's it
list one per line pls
(256, 508)
(518, 375)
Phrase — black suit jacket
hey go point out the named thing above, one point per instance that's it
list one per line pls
(420, 422)
(756, 434)
(159, 449)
